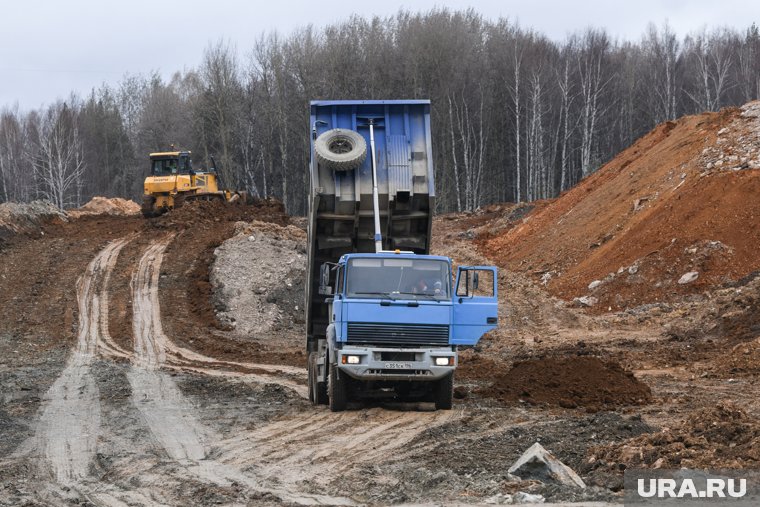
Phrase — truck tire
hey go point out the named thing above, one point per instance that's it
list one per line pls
(443, 392)
(337, 391)
(340, 149)
(317, 390)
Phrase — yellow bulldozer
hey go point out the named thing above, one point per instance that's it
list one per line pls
(172, 182)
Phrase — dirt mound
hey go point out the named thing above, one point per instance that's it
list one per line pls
(488, 221)
(105, 206)
(193, 213)
(17, 218)
(681, 201)
(718, 437)
(711, 333)
(740, 360)
(188, 302)
(570, 382)
(290, 232)
(257, 298)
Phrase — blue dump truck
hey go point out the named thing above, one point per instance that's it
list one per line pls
(383, 316)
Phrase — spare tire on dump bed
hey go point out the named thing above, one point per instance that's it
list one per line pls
(340, 149)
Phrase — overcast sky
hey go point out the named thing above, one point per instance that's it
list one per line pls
(48, 48)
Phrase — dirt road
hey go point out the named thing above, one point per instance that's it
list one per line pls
(127, 391)
(70, 423)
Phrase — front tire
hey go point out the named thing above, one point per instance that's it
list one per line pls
(443, 392)
(337, 390)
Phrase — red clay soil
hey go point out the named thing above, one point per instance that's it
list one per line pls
(569, 382)
(39, 273)
(690, 217)
(718, 437)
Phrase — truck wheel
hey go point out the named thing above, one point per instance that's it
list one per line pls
(317, 390)
(338, 391)
(443, 392)
(340, 149)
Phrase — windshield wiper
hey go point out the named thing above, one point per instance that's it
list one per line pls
(432, 297)
(384, 294)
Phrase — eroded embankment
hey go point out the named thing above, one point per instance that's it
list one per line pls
(680, 201)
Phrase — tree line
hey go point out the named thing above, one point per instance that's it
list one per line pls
(516, 116)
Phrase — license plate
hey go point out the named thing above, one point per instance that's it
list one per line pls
(398, 366)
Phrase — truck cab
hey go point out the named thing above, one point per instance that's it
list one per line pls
(396, 321)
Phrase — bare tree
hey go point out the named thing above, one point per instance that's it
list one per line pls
(710, 63)
(57, 156)
(219, 104)
(15, 180)
(662, 54)
(591, 59)
(517, 58)
(567, 96)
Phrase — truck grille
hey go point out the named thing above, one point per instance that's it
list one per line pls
(403, 335)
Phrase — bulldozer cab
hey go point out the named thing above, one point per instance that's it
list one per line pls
(171, 163)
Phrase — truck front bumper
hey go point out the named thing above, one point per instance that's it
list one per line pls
(382, 363)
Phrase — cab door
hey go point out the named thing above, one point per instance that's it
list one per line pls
(475, 304)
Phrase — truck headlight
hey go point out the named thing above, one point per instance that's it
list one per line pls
(444, 361)
(351, 360)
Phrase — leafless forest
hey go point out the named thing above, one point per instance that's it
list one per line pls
(517, 116)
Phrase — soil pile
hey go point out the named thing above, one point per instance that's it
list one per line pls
(105, 206)
(741, 360)
(16, 218)
(259, 279)
(206, 213)
(570, 382)
(672, 215)
(718, 437)
(191, 311)
(729, 314)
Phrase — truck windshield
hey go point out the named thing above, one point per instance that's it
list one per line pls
(398, 278)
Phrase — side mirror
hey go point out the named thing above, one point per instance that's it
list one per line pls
(475, 280)
(324, 280)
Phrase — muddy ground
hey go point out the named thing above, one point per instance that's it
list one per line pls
(155, 363)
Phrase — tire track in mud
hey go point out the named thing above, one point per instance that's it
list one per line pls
(70, 423)
(320, 445)
(152, 347)
(169, 416)
(167, 413)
